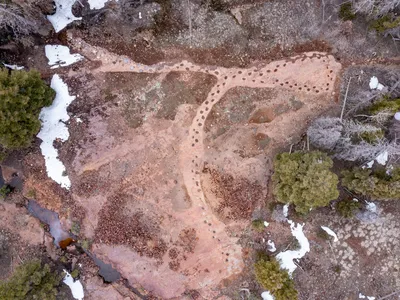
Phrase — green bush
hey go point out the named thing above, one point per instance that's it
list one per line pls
(346, 208)
(272, 278)
(258, 225)
(32, 280)
(372, 137)
(346, 12)
(385, 104)
(305, 180)
(22, 96)
(378, 185)
(385, 23)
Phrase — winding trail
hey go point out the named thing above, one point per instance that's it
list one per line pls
(309, 73)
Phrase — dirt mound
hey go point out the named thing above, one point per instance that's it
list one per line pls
(116, 226)
(237, 196)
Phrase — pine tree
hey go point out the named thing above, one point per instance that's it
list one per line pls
(305, 180)
(22, 96)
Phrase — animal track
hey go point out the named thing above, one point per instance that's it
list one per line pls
(309, 73)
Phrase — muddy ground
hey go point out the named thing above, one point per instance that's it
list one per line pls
(173, 155)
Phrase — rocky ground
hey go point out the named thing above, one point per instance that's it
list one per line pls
(178, 115)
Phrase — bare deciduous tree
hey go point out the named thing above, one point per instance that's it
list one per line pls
(339, 137)
(375, 8)
(11, 16)
(325, 132)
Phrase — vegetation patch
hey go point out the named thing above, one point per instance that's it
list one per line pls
(378, 185)
(305, 180)
(258, 225)
(385, 23)
(347, 207)
(22, 96)
(270, 276)
(385, 104)
(346, 12)
(32, 280)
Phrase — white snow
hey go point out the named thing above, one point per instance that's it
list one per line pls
(355, 199)
(374, 84)
(78, 120)
(382, 158)
(285, 210)
(59, 56)
(63, 15)
(271, 246)
(397, 116)
(370, 164)
(286, 258)
(361, 296)
(53, 128)
(75, 286)
(97, 4)
(13, 67)
(330, 232)
(267, 296)
(371, 207)
(266, 224)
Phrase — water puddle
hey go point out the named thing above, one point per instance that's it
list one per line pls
(106, 271)
(61, 237)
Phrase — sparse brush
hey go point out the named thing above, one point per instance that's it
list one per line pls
(346, 208)
(258, 225)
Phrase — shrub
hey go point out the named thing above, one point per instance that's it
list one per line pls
(385, 104)
(385, 23)
(258, 225)
(22, 95)
(346, 208)
(305, 180)
(32, 280)
(272, 278)
(346, 11)
(378, 185)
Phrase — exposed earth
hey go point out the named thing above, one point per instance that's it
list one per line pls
(171, 147)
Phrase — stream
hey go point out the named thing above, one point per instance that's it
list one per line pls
(63, 238)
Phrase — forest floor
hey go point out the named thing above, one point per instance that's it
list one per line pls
(171, 147)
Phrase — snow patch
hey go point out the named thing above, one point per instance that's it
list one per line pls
(53, 128)
(286, 258)
(97, 4)
(371, 207)
(330, 232)
(397, 116)
(361, 296)
(286, 210)
(63, 15)
(374, 84)
(60, 56)
(266, 224)
(78, 120)
(271, 246)
(75, 286)
(382, 158)
(370, 164)
(13, 67)
(267, 296)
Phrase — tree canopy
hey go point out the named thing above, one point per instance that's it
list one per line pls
(22, 96)
(304, 179)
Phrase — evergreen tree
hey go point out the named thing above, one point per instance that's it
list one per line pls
(30, 281)
(305, 180)
(22, 96)
(270, 276)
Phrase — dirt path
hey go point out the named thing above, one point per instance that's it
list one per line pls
(310, 73)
